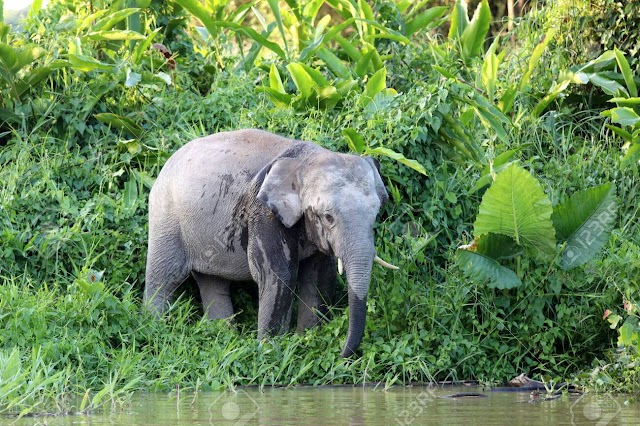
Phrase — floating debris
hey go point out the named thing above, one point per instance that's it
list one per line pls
(465, 395)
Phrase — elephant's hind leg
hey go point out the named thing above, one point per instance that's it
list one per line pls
(214, 292)
(167, 268)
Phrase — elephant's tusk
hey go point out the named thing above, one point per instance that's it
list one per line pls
(340, 267)
(384, 263)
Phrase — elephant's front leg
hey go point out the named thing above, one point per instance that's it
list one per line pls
(316, 289)
(273, 260)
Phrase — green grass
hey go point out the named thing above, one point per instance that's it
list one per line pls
(425, 322)
(73, 205)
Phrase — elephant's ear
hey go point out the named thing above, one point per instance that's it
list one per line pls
(380, 189)
(280, 190)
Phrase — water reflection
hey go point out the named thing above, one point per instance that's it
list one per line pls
(359, 406)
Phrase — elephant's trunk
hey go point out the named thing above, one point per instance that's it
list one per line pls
(358, 262)
(357, 321)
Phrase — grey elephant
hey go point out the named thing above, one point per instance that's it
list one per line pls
(251, 205)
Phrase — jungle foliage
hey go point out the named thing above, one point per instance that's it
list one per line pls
(511, 163)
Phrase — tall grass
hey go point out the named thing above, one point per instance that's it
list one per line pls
(78, 352)
(73, 207)
(73, 254)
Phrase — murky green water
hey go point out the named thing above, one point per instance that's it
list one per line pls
(358, 406)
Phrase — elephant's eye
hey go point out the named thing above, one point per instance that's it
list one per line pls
(328, 218)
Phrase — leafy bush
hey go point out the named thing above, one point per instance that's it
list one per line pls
(516, 215)
(613, 24)
(621, 369)
(81, 146)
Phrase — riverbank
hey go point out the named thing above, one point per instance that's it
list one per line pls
(93, 111)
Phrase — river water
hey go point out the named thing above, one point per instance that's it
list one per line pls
(357, 406)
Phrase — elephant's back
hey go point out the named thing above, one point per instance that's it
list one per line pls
(226, 159)
(240, 151)
(199, 190)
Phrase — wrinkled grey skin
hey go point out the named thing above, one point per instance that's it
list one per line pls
(251, 205)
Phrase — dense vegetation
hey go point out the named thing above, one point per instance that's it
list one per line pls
(97, 95)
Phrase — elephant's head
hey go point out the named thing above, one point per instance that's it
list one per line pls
(339, 197)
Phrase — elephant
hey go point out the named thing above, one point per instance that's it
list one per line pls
(249, 205)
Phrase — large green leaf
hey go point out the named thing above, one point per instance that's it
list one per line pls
(535, 58)
(625, 69)
(620, 132)
(8, 57)
(87, 63)
(375, 85)
(584, 221)
(628, 332)
(26, 55)
(36, 6)
(112, 19)
(348, 47)
(14, 60)
(142, 47)
(474, 34)
(424, 19)
(311, 46)
(327, 96)
(459, 19)
(346, 86)
(609, 86)
(366, 12)
(363, 63)
(12, 366)
(489, 75)
(334, 63)
(497, 246)
(115, 35)
(490, 116)
(398, 157)
(130, 196)
(625, 101)
(87, 21)
(303, 81)
(318, 78)
(601, 62)
(31, 79)
(8, 116)
(515, 205)
(4, 31)
(120, 122)
(622, 115)
(278, 98)
(507, 99)
(310, 10)
(275, 82)
(354, 140)
(252, 34)
(632, 155)
(483, 268)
